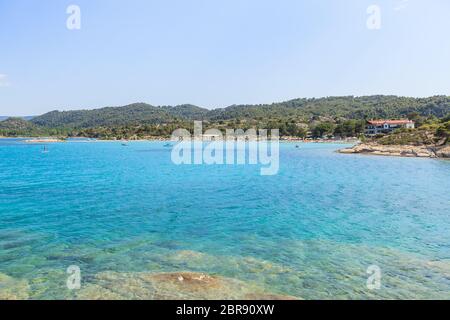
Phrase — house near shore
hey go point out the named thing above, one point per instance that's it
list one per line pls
(374, 127)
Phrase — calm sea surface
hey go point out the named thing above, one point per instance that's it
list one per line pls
(311, 231)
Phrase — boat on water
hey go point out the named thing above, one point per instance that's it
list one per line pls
(167, 145)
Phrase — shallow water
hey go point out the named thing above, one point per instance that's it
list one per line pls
(311, 231)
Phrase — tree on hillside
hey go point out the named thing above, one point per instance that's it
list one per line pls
(322, 129)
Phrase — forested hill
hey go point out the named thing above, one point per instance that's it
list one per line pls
(331, 116)
(138, 113)
(2, 118)
(19, 126)
(368, 107)
(301, 109)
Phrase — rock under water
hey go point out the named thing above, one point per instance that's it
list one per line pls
(13, 289)
(167, 286)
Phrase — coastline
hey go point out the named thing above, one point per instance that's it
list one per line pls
(169, 139)
(44, 140)
(408, 151)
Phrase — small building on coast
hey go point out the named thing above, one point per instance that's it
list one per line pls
(374, 127)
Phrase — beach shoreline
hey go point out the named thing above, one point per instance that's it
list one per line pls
(168, 139)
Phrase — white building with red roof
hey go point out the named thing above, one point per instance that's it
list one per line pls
(374, 127)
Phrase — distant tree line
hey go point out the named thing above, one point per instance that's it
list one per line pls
(323, 117)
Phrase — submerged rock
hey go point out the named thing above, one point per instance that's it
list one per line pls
(339, 270)
(13, 289)
(443, 266)
(268, 296)
(176, 285)
(194, 260)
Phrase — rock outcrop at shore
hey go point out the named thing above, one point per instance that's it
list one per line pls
(443, 152)
(400, 150)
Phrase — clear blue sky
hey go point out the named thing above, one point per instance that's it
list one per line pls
(217, 53)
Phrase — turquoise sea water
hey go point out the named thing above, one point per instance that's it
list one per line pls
(311, 231)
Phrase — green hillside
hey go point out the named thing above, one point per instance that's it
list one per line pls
(306, 109)
(340, 107)
(342, 116)
(18, 126)
(110, 116)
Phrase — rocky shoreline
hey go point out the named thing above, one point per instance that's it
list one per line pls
(399, 150)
